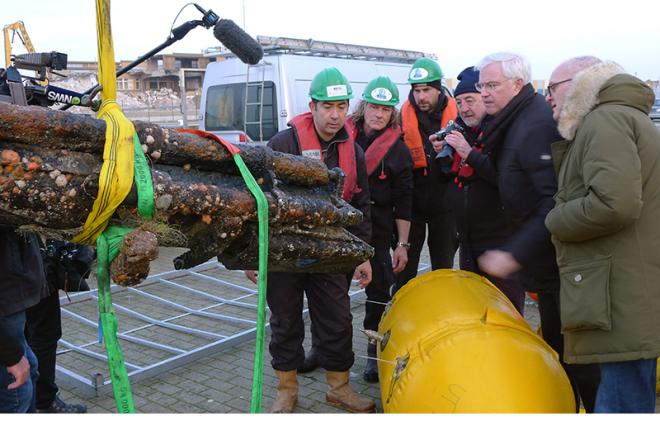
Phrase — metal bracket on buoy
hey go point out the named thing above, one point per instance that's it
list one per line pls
(373, 336)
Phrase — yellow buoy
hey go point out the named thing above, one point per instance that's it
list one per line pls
(452, 343)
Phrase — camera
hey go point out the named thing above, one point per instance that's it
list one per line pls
(41, 61)
(16, 88)
(445, 156)
(67, 265)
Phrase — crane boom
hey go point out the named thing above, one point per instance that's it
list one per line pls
(17, 28)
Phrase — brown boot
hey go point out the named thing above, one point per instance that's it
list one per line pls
(342, 395)
(287, 392)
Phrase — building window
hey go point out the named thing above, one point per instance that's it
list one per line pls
(160, 64)
(123, 84)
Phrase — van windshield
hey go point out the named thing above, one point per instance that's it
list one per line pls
(226, 109)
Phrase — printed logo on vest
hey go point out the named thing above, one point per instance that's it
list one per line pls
(313, 154)
(338, 90)
(381, 94)
(419, 73)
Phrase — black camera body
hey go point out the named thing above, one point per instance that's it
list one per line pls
(24, 90)
(445, 156)
(451, 126)
(67, 265)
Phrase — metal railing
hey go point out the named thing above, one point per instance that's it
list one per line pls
(171, 319)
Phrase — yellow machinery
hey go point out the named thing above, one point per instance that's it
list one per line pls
(453, 343)
(16, 28)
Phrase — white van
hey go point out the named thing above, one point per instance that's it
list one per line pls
(277, 87)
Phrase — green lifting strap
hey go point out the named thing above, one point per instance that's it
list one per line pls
(262, 216)
(107, 248)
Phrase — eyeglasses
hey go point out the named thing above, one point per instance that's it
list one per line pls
(552, 87)
(490, 86)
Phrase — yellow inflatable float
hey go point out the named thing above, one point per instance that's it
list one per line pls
(453, 343)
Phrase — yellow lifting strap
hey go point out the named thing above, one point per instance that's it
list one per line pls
(116, 176)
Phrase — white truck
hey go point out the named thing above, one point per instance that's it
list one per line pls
(244, 103)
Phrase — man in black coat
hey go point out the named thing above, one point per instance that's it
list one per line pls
(22, 285)
(472, 194)
(520, 128)
(427, 110)
(66, 266)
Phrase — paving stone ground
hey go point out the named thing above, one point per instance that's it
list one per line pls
(222, 382)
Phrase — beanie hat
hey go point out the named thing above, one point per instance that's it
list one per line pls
(437, 84)
(468, 78)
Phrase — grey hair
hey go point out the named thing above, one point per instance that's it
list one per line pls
(358, 114)
(578, 64)
(514, 66)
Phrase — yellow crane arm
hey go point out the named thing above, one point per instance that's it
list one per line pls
(17, 28)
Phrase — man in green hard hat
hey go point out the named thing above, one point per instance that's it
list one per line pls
(427, 110)
(320, 134)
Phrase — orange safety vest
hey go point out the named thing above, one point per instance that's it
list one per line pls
(411, 135)
(308, 140)
(379, 147)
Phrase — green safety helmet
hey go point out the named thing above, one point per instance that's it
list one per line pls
(381, 91)
(425, 70)
(330, 85)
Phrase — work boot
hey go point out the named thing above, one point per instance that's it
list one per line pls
(342, 395)
(58, 406)
(287, 392)
(370, 373)
(310, 363)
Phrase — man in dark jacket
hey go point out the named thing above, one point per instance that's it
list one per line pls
(520, 129)
(22, 284)
(605, 227)
(320, 134)
(66, 266)
(472, 194)
(374, 125)
(427, 110)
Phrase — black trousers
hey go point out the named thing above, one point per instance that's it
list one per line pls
(584, 378)
(43, 329)
(442, 242)
(378, 291)
(329, 311)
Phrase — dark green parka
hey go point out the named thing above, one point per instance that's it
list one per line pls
(606, 222)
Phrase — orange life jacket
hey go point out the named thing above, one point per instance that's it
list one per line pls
(379, 147)
(310, 146)
(411, 135)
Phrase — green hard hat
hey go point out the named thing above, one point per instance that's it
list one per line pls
(425, 70)
(381, 91)
(330, 85)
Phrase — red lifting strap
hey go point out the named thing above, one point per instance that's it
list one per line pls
(233, 149)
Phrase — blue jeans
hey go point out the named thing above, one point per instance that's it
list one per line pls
(22, 399)
(627, 387)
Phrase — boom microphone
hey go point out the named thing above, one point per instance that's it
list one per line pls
(238, 41)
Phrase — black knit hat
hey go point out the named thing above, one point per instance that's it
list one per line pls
(435, 84)
(468, 78)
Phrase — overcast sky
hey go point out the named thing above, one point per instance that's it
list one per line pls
(458, 32)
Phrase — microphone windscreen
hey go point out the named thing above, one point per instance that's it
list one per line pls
(238, 41)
